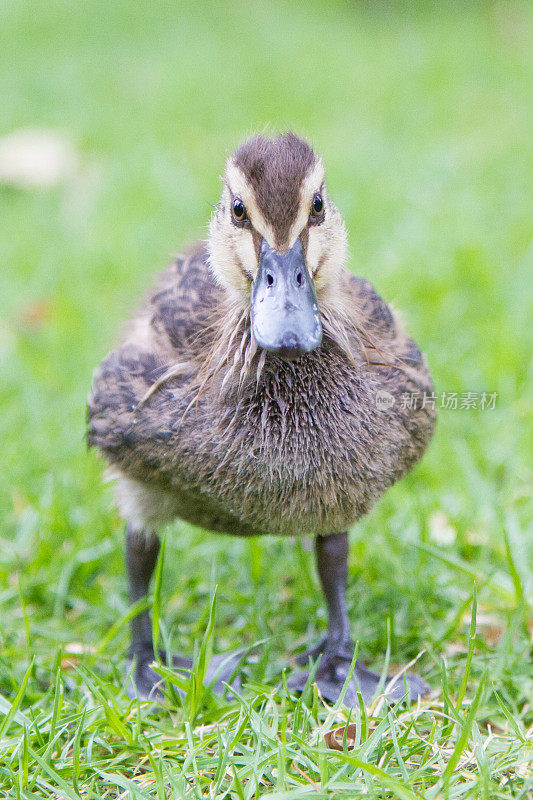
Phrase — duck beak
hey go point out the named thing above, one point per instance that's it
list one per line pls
(285, 315)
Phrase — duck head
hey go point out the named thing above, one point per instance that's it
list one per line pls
(277, 242)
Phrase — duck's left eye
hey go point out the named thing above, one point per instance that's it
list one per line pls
(238, 210)
(317, 205)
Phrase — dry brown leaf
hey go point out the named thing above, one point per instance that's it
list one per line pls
(37, 313)
(335, 736)
(69, 663)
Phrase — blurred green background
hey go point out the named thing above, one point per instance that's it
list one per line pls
(423, 114)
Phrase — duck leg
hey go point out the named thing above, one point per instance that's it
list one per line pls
(337, 647)
(142, 549)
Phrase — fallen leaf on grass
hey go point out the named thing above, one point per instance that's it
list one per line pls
(440, 529)
(37, 314)
(74, 650)
(334, 738)
(78, 648)
(35, 159)
(68, 664)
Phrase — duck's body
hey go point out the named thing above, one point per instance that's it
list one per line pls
(289, 437)
(303, 448)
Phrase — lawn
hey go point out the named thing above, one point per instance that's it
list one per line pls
(423, 115)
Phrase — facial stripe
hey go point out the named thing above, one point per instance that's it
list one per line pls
(239, 187)
(274, 170)
(276, 181)
(313, 182)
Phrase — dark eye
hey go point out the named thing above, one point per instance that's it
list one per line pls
(317, 205)
(239, 210)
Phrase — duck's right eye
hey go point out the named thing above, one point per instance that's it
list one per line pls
(238, 210)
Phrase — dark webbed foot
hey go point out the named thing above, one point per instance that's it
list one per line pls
(143, 682)
(146, 684)
(334, 668)
(336, 649)
(142, 549)
(313, 653)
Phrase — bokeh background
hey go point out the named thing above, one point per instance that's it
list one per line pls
(423, 114)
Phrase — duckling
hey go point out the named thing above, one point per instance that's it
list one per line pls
(261, 388)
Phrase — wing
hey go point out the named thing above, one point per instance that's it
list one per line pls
(165, 333)
(395, 367)
(380, 334)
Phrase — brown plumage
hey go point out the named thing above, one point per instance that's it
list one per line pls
(197, 422)
(303, 449)
(275, 170)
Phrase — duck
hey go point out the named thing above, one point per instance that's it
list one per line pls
(262, 388)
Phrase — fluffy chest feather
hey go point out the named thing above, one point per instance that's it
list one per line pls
(304, 449)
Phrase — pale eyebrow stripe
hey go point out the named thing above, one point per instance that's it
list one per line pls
(239, 186)
(313, 182)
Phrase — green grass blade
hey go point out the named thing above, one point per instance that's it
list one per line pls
(509, 717)
(201, 663)
(126, 784)
(401, 791)
(470, 652)
(14, 706)
(462, 740)
(137, 608)
(54, 774)
(156, 608)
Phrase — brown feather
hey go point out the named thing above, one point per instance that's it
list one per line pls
(242, 441)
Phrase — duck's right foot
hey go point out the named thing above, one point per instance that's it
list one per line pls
(143, 682)
(146, 684)
(142, 549)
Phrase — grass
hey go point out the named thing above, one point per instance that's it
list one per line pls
(421, 113)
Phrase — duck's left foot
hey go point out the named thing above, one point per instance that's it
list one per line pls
(336, 650)
(334, 668)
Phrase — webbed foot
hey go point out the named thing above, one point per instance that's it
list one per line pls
(334, 668)
(146, 684)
